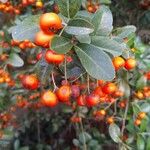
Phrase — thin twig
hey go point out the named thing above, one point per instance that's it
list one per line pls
(78, 77)
(125, 116)
(53, 80)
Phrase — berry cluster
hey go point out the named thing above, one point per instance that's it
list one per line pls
(128, 64)
(6, 78)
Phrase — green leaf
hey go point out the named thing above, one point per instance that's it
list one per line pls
(108, 45)
(43, 70)
(76, 142)
(148, 143)
(93, 143)
(143, 125)
(16, 144)
(84, 137)
(79, 26)
(140, 143)
(15, 60)
(97, 63)
(136, 108)
(130, 126)
(69, 8)
(61, 44)
(124, 32)
(83, 14)
(141, 82)
(124, 87)
(114, 132)
(26, 29)
(103, 21)
(84, 39)
(74, 72)
(145, 107)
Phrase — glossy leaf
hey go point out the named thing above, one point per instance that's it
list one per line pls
(84, 39)
(140, 143)
(141, 82)
(76, 142)
(145, 107)
(26, 29)
(148, 143)
(96, 62)
(144, 124)
(124, 87)
(83, 14)
(124, 32)
(84, 137)
(114, 132)
(103, 21)
(61, 44)
(69, 8)
(108, 45)
(79, 26)
(15, 60)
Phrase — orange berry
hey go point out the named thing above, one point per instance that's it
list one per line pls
(49, 99)
(137, 122)
(139, 95)
(64, 93)
(30, 82)
(130, 63)
(109, 88)
(141, 115)
(110, 120)
(118, 62)
(92, 100)
(39, 4)
(42, 39)
(100, 113)
(51, 57)
(49, 22)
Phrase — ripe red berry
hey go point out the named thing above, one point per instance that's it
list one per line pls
(30, 82)
(52, 57)
(109, 88)
(92, 100)
(64, 93)
(130, 63)
(49, 99)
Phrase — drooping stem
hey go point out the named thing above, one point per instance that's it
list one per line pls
(88, 83)
(53, 80)
(125, 117)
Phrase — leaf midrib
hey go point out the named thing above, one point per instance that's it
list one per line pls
(92, 60)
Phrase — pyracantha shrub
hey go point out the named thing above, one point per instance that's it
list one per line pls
(70, 80)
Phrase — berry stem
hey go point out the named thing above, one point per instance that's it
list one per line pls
(88, 83)
(53, 80)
